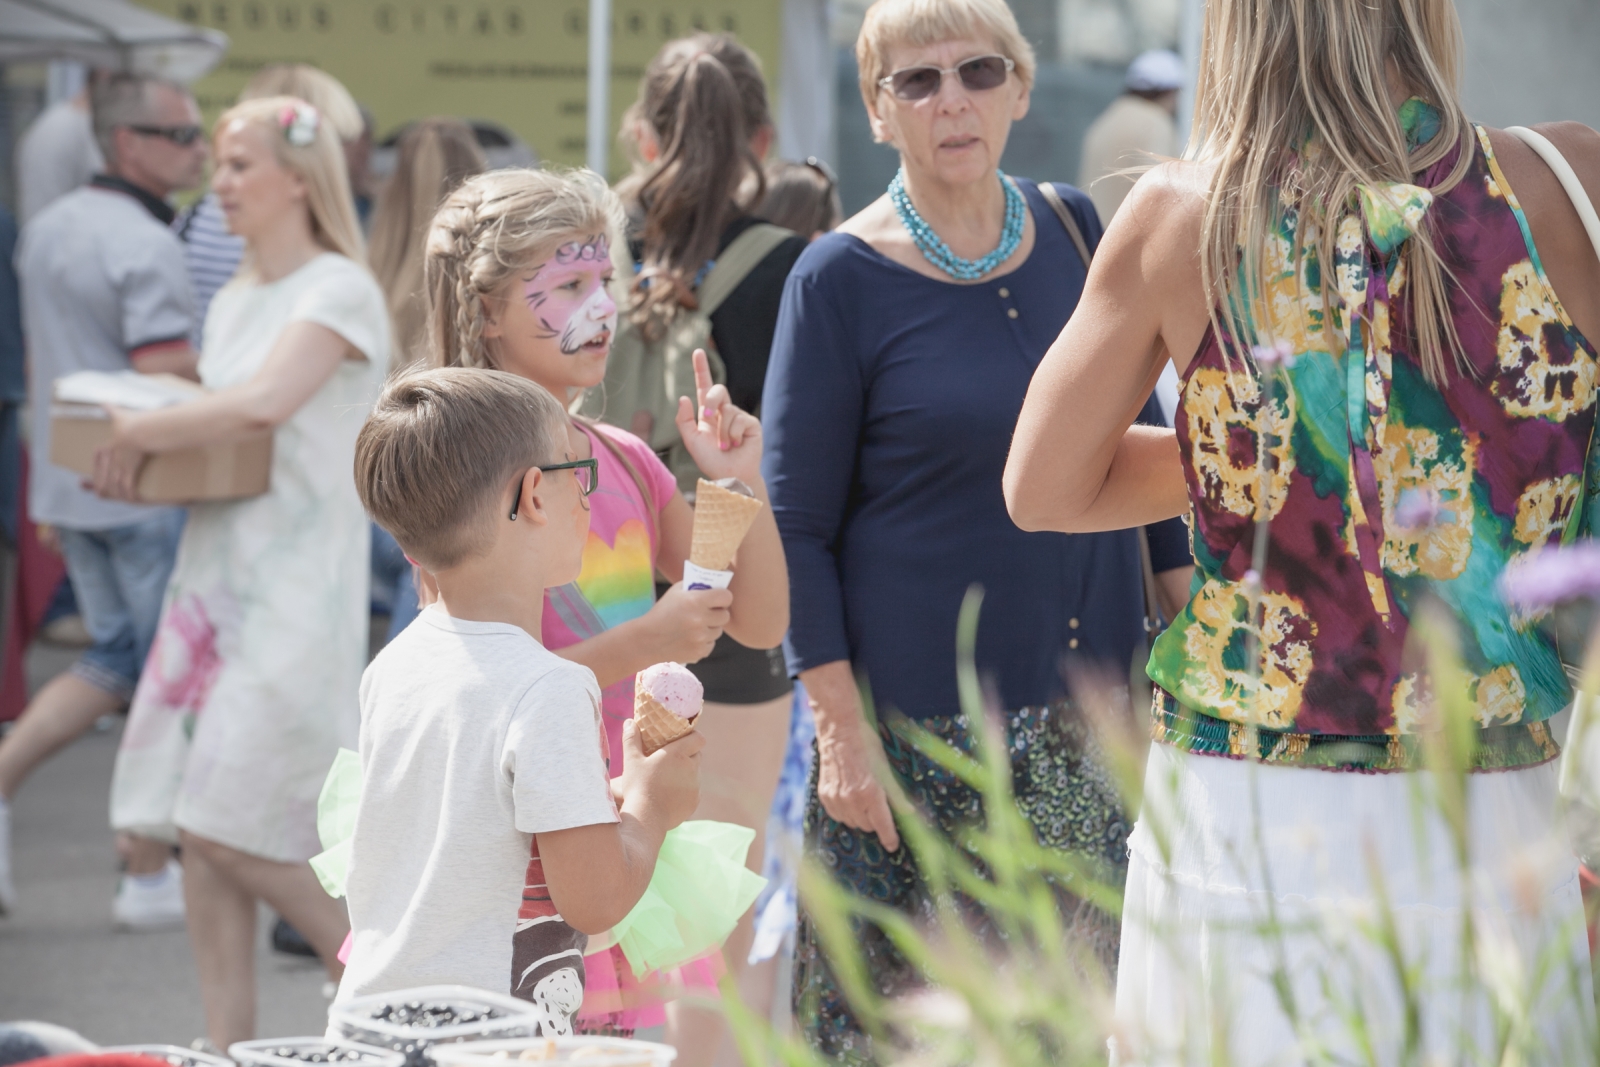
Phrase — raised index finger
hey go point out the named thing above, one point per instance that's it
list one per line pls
(702, 381)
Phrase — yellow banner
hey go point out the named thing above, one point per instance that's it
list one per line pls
(520, 63)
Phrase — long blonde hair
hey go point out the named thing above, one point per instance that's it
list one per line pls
(320, 164)
(1293, 96)
(434, 157)
(494, 226)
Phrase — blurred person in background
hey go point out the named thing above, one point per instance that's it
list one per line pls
(1138, 129)
(701, 129)
(251, 685)
(104, 288)
(1398, 307)
(213, 252)
(57, 153)
(803, 197)
(433, 157)
(903, 354)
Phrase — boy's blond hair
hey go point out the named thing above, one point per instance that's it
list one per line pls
(439, 449)
(490, 229)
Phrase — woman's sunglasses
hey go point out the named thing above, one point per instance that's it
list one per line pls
(977, 74)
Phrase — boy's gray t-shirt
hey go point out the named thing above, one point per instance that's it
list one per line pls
(101, 278)
(474, 737)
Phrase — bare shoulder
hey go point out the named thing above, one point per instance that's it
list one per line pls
(1523, 168)
(1564, 248)
(1159, 224)
(1166, 206)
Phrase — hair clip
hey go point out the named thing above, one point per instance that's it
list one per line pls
(299, 122)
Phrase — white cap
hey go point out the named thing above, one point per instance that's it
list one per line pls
(1155, 71)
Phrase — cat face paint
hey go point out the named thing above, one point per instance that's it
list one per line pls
(568, 296)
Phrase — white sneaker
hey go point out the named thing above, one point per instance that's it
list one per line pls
(8, 889)
(150, 901)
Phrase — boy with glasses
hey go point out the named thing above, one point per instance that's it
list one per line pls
(479, 747)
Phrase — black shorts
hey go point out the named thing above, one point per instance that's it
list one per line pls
(733, 674)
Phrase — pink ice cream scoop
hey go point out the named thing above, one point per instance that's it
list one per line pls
(674, 688)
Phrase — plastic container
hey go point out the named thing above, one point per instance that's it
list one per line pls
(174, 1054)
(413, 1021)
(299, 1051)
(579, 1051)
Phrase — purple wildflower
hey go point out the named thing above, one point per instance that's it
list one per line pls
(1279, 353)
(1540, 580)
(1417, 509)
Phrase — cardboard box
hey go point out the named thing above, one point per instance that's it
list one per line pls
(187, 475)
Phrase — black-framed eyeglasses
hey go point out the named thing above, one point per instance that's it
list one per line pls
(977, 74)
(822, 168)
(587, 471)
(182, 136)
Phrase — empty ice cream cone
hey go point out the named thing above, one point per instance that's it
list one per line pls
(722, 516)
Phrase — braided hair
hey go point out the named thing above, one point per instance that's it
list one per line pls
(490, 229)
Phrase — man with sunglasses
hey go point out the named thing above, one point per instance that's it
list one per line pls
(104, 288)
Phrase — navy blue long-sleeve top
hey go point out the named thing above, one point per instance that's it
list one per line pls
(889, 407)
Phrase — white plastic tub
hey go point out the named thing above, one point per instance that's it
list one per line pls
(174, 1054)
(413, 1021)
(301, 1051)
(579, 1051)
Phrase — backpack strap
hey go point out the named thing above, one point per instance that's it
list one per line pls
(736, 262)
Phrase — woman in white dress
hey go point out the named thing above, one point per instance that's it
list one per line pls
(251, 683)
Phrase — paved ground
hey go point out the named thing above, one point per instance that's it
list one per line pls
(60, 959)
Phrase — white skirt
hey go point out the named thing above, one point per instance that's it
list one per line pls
(1255, 931)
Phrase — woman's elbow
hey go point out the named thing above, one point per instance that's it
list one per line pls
(768, 631)
(1021, 503)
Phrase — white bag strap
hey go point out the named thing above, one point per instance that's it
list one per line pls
(1565, 175)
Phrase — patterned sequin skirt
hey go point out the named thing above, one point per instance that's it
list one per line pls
(1061, 786)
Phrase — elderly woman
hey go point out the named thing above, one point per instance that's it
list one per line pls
(898, 372)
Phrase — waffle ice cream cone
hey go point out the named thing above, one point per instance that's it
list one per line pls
(721, 519)
(666, 701)
(657, 726)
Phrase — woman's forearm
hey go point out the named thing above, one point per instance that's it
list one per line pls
(835, 700)
(229, 415)
(303, 358)
(613, 654)
(759, 615)
(1143, 483)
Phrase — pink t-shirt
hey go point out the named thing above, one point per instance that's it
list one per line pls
(617, 582)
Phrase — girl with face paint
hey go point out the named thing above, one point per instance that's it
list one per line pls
(518, 274)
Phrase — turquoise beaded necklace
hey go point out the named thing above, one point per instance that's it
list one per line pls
(932, 246)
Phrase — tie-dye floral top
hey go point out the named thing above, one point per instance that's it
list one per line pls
(1381, 490)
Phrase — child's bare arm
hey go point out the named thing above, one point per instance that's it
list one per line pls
(596, 874)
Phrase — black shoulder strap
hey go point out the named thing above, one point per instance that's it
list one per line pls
(1059, 206)
(1153, 615)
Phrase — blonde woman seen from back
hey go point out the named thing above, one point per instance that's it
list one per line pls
(250, 688)
(1301, 886)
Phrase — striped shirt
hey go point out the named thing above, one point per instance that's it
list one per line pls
(211, 253)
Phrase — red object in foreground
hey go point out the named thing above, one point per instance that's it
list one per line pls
(1589, 884)
(39, 571)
